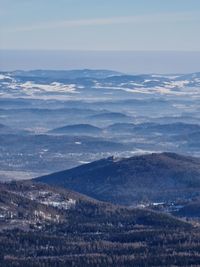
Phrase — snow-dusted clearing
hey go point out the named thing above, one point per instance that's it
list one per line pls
(50, 198)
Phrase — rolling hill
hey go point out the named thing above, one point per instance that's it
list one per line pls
(28, 203)
(77, 129)
(154, 177)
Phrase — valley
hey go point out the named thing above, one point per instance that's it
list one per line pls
(107, 114)
(99, 168)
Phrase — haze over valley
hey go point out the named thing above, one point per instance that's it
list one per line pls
(66, 118)
(99, 133)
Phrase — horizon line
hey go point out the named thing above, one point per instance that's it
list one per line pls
(95, 50)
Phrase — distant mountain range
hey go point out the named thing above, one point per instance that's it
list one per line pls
(154, 128)
(177, 128)
(67, 74)
(77, 129)
(155, 177)
(38, 83)
(110, 116)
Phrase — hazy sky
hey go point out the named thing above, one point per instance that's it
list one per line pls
(100, 25)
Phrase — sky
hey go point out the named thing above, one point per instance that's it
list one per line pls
(98, 25)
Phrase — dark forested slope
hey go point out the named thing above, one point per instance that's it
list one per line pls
(153, 177)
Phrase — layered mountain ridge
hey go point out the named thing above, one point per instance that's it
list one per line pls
(153, 177)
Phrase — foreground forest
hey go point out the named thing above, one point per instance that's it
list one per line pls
(122, 246)
(44, 226)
